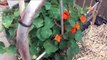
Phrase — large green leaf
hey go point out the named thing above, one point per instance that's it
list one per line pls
(45, 33)
(78, 36)
(7, 20)
(38, 22)
(49, 47)
(48, 22)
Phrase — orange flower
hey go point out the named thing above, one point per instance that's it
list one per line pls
(90, 8)
(66, 15)
(83, 18)
(73, 30)
(77, 26)
(58, 38)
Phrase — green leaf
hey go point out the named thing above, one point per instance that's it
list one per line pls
(49, 47)
(16, 13)
(33, 50)
(70, 52)
(47, 5)
(2, 50)
(78, 36)
(7, 20)
(58, 57)
(72, 22)
(74, 15)
(56, 30)
(12, 32)
(68, 58)
(74, 47)
(31, 28)
(11, 50)
(68, 28)
(55, 12)
(45, 33)
(63, 45)
(79, 10)
(38, 22)
(37, 14)
(39, 35)
(48, 22)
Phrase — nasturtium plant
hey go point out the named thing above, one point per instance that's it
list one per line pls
(45, 34)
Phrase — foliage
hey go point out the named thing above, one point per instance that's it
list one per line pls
(46, 26)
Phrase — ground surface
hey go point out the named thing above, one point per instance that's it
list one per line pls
(94, 44)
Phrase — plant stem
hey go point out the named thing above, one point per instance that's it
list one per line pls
(83, 4)
(61, 12)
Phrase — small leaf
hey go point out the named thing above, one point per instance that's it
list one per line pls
(2, 50)
(55, 12)
(39, 35)
(7, 20)
(49, 47)
(33, 50)
(58, 57)
(45, 33)
(11, 50)
(79, 10)
(68, 58)
(16, 13)
(72, 22)
(12, 32)
(69, 52)
(74, 47)
(48, 22)
(47, 5)
(78, 36)
(74, 15)
(63, 44)
(38, 22)
(56, 30)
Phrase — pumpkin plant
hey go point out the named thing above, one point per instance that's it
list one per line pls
(45, 32)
